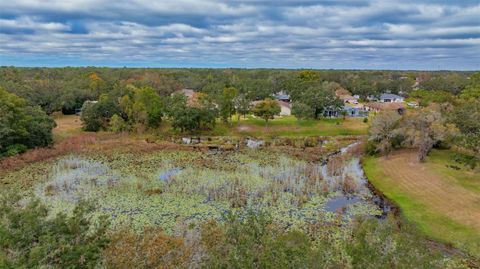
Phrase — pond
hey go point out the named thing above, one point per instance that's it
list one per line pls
(175, 189)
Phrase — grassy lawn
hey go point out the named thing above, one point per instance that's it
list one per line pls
(287, 126)
(290, 126)
(466, 178)
(442, 201)
(67, 125)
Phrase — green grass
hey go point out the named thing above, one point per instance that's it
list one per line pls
(431, 223)
(464, 177)
(289, 126)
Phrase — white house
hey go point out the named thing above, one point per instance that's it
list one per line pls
(391, 98)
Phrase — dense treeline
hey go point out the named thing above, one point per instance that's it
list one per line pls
(121, 99)
(64, 89)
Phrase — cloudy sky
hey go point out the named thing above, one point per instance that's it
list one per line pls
(343, 34)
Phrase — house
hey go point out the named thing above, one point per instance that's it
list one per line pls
(377, 106)
(346, 97)
(285, 107)
(331, 113)
(192, 96)
(282, 96)
(391, 98)
(357, 110)
(189, 93)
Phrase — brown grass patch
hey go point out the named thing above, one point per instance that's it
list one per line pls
(86, 142)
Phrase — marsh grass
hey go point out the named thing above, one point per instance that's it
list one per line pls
(173, 189)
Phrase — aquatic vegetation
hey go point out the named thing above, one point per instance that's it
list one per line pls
(172, 189)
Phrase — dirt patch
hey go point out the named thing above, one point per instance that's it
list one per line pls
(244, 128)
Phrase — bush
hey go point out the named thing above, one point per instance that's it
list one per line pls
(151, 249)
(117, 124)
(30, 238)
(95, 115)
(21, 124)
(15, 149)
(252, 239)
(467, 160)
(371, 148)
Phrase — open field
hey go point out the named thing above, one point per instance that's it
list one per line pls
(443, 201)
(67, 125)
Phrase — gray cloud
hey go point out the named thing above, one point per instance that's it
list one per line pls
(318, 34)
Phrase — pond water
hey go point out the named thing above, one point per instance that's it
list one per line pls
(360, 192)
(340, 204)
(164, 176)
(253, 144)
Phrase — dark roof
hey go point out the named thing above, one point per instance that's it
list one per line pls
(390, 96)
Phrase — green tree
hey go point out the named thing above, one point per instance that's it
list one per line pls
(267, 109)
(242, 105)
(302, 111)
(22, 125)
(147, 107)
(466, 117)
(427, 97)
(96, 115)
(117, 124)
(472, 90)
(193, 117)
(226, 103)
(30, 238)
(319, 97)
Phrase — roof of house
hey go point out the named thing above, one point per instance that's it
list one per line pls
(385, 106)
(282, 96)
(280, 103)
(354, 105)
(390, 96)
(188, 92)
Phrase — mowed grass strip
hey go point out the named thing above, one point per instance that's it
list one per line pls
(290, 126)
(445, 204)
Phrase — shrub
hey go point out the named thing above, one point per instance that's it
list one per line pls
(95, 115)
(151, 249)
(29, 238)
(15, 149)
(467, 160)
(22, 124)
(117, 124)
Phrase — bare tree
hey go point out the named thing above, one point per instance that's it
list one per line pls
(425, 128)
(384, 129)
